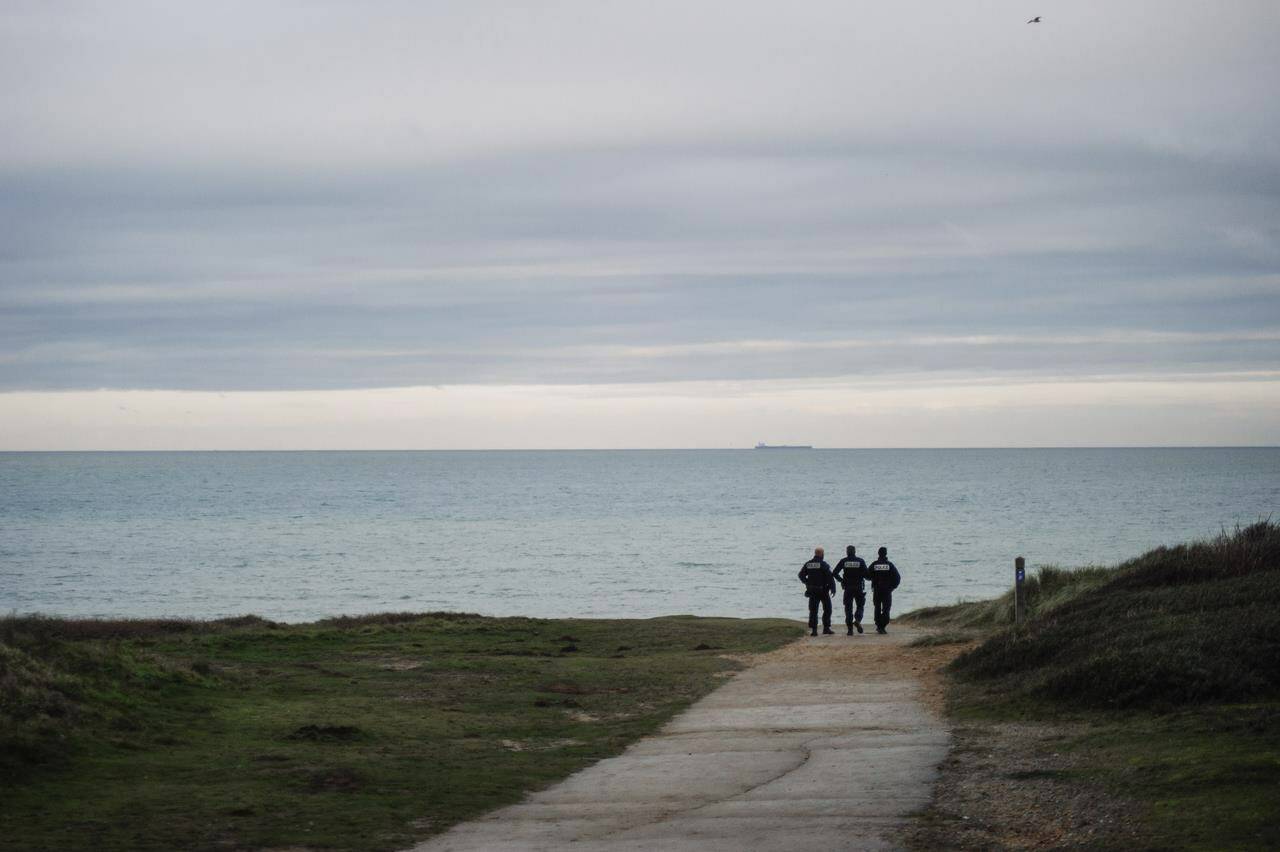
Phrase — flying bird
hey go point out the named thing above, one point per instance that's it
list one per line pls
(1034, 20)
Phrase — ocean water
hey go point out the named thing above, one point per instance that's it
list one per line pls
(298, 536)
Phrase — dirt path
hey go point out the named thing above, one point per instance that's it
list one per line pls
(826, 744)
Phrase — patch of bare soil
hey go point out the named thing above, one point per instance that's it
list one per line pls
(399, 664)
(872, 656)
(743, 659)
(927, 663)
(1008, 786)
(546, 745)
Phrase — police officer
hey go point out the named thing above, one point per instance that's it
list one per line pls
(852, 574)
(819, 585)
(884, 579)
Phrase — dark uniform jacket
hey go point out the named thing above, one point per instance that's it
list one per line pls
(852, 573)
(884, 575)
(817, 579)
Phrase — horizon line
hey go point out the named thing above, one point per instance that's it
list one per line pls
(650, 449)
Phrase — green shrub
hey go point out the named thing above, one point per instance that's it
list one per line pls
(1187, 625)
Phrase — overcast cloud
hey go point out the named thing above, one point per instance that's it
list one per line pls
(226, 197)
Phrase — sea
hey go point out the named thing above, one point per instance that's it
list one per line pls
(297, 536)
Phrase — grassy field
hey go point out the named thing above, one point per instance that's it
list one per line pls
(360, 733)
(1166, 667)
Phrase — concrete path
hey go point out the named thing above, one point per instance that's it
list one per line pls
(824, 744)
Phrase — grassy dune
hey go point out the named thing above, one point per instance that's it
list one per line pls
(1172, 661)
(354, 733)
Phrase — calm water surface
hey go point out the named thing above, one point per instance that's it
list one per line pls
(297, 536)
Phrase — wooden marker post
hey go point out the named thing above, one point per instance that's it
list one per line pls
(1019, 597)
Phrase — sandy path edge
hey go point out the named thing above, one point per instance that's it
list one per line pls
(832, 741)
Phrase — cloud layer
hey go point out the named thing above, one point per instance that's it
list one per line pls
(339, 196)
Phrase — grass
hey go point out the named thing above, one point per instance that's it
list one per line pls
(1208, 776)
(362, 733)
(1044, 590)
(1173, 658)
(945, 637)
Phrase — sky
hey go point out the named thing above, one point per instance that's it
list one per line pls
(330, 225)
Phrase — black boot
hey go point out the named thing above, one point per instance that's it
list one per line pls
(827, 631)
(858, 624)
(850, 633)
(813, 632)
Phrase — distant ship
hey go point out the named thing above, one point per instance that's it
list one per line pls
(763, 446)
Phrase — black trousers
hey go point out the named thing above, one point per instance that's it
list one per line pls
(825, 600)
(851, 595)
(882, 600)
